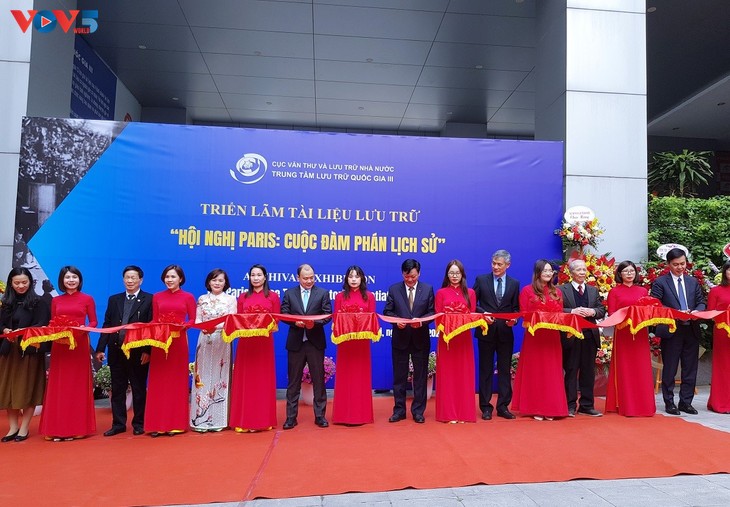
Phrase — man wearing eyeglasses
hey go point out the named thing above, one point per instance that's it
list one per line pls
(132, 305)
(579, 356)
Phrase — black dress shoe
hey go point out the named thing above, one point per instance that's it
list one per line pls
(21, 438)
(289, 423)
(138, 431)
(487, 416)
(321, 422)
(114, 431)
(155, 434)
(506, 414)
(687, 408)
(671, 409)
(419, 419)
(396, 418)
(590, 411)
(9, 438)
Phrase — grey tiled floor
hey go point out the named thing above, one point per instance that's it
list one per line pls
(694, 490)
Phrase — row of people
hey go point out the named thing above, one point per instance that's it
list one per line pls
(550, 367)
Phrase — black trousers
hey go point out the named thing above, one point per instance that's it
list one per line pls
(312, 356)
(127, 371)
(681, 346)
(502, 344)
(400, 379)
(579, 365)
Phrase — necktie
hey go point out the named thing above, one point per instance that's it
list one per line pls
(580, 289)
(305, 298)
(682, 297)
(126, 313)
(500, 290)
(410, 298)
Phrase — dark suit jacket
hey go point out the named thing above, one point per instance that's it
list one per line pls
(664, 290)
(141, 312)
(594, 302)
(487, 302)
(396, 305)
(319, 303)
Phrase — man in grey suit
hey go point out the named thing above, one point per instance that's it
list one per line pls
(496, 293)
(579, 356)
(305, 343)
(681, 292)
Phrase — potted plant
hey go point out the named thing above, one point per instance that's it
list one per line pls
(431, 373)
(306, 395)
(680, 174)
(603, 362)
(103, 381)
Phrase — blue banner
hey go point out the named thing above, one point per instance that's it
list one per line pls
(207, 197)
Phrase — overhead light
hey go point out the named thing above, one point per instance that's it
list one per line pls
(268, 102)
(651, 9)
(721, 103)
(175, 98)
(361, 108)
(449, 112)
(257, 53)
(142, 46)
(479, 67)
(369, 60)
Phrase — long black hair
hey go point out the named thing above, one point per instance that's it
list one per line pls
(363, 289)
(10, 297)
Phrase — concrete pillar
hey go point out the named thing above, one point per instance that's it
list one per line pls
(591, 79)
(15, 49)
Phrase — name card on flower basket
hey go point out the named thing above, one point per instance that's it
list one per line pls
(663, 249)
(726, 250)
(576, 214)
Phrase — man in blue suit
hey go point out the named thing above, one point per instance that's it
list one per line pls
(681, 292)
(410, 299)
(496, 293)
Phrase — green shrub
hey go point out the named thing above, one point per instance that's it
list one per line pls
(702, 225)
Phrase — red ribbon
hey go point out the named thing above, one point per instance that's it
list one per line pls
(450, 325)
(348, 326)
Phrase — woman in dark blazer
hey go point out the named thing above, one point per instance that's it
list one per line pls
(22, 374)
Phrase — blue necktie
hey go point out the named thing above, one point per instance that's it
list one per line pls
(682, 297)
(305, 298)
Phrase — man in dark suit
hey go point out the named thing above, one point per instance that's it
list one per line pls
(132, 305)
(305, 343)
(579, 356)
(410, 299)
(496, 293)
(681, 292)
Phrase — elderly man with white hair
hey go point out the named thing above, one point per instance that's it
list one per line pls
(579, 356)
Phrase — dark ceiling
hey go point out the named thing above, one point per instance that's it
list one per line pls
(390, 65)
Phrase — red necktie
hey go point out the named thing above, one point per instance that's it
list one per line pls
(580, 289)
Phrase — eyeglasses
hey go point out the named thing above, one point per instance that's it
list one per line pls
(628, 271)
